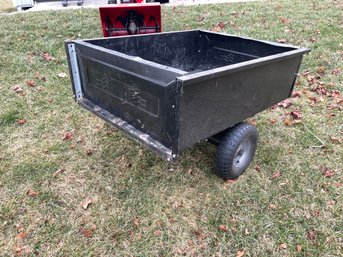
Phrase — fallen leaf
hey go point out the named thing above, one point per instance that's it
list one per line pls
(253, 122)
(48, 57)
(283, 246)
(273, 121)
(157, 232)
(281, 40)
(316, 213)
(299, 248)
(31, 193)
(296, 94)
(67, 136)
(62, 75)
(331, 204)
(58, 172)
(22, 235)
(89, 152)
(276, 174)
(136, 222)
(283, 20)
(287, 122)
(311, 235)
(17, 89)
(200, 18)
(223, 228)
(86, 232)
(84, 204)
(297, 115)
(326, 172)
(221, 25)
(18, 251)
(335, 71)
(234, 13)
(335, 140)
(258, 168)
(308, 216)
(285, 104)
(240, 253)
(272, 206)
(31, 83)
(21, 122)
(321, 70)
(20, 228)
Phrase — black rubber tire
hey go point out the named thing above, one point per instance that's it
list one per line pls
(236, 151)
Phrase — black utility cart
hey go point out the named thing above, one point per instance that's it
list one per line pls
(169, 91)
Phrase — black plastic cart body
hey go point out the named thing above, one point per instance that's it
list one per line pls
(171, 90)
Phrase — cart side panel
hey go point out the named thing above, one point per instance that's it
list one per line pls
(144, 103)
(210, 106)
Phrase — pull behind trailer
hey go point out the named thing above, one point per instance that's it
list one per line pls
(171, 90)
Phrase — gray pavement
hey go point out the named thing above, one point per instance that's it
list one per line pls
(96, 3)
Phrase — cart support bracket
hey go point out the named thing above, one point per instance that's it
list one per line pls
(75, 72)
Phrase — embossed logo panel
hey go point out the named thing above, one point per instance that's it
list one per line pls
(123, 86)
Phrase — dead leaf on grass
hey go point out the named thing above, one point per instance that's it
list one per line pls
(296, 115)
(331, 204)
(89, 152)
(335, 140)
(18, 251)
(240, 253)
(17, 89)
(31, 193)
(86, 232)
(326, 172)
(258, 168)
(285, 104)
(62, 75)
(311, 235)
(272, 206)
(281, 40)
(276, 174)
(85, 203)
(297, 94)
(136, 221)
(336, 71)
(299, 248)
(157, 232)
(283, 246)
(31, 83)
(58, 172)
(21, 122)
(223, 228)
(283, 20)
(67, 136)
(48, 57)
(22, 235)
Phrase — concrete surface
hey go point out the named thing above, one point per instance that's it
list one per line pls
(96, 3)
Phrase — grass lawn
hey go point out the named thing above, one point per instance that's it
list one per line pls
(70, 185)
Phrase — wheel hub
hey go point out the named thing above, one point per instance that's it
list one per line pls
(242, 154)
